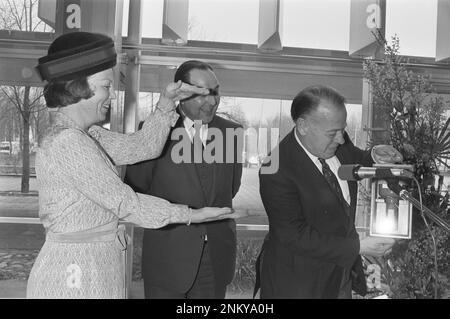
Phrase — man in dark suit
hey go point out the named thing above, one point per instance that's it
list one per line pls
(312, 249)
(192, 261)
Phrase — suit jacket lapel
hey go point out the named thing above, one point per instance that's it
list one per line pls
(316, 174)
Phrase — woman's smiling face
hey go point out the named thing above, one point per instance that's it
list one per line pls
(102, 86)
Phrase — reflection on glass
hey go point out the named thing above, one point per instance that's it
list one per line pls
(23, 15)
(233, 21)
(152, 18)
(318, 24)
(265, 121)
(416, 39)
(147, 103)
(354, 125)
(125, 14)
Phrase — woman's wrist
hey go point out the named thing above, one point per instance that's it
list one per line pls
(190, 217)
(169, 117)
(165, 104)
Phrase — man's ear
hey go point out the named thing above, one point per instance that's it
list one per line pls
(302, 126)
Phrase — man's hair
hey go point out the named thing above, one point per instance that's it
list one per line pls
(309, 99)
(63, 93)
(183, 71)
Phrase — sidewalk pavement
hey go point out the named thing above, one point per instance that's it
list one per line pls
(12, 183)
(17, 289)
(19, 206)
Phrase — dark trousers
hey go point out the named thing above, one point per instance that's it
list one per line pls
(345, 291)
(204, 286)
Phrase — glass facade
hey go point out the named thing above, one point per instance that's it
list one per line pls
(414, 22)
(223, 21)
(152, 13)
(316, 24)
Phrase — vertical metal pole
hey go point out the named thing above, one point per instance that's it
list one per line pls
(367, 116)
(117, 106)
(132, 85)
(105, 16)
(362, 211)
(133, 68)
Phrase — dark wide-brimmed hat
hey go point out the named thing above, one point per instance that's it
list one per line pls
(77, 54)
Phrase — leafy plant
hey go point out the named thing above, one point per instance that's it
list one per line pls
(406, 100)
(244, 277)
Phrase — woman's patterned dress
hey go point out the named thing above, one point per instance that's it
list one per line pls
(80, 190)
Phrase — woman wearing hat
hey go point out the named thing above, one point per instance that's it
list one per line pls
(81, 196)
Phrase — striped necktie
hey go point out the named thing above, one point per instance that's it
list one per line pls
(334, 184)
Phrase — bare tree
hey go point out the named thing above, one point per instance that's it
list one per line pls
(27, 101)
(230, 109)
(9, 122)
(21, 15)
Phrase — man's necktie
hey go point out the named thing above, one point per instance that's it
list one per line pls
(334, 184)
(197, 142)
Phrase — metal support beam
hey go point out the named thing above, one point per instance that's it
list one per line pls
(443, 31)
(131, 104)
(105, 16)
(100, 16)
(367, 17)
(363, 209)
(47, 12)
(133, 68)
(175, 22)
(367, 110)
(270, 25)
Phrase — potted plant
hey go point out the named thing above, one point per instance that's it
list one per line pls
(417, 126)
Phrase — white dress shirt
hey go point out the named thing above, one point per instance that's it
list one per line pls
(189, 125)
(334, 164)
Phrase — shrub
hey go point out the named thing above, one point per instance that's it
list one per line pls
(418, 129)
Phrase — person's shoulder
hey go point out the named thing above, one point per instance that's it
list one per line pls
(281, 153)
(68, 133)
(288, 141)
(73, 138)
(67, 144)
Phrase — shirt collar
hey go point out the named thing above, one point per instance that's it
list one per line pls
(188, 123)
(313, 158)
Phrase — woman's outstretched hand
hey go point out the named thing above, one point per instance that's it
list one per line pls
(207, 214)
(177, 91)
